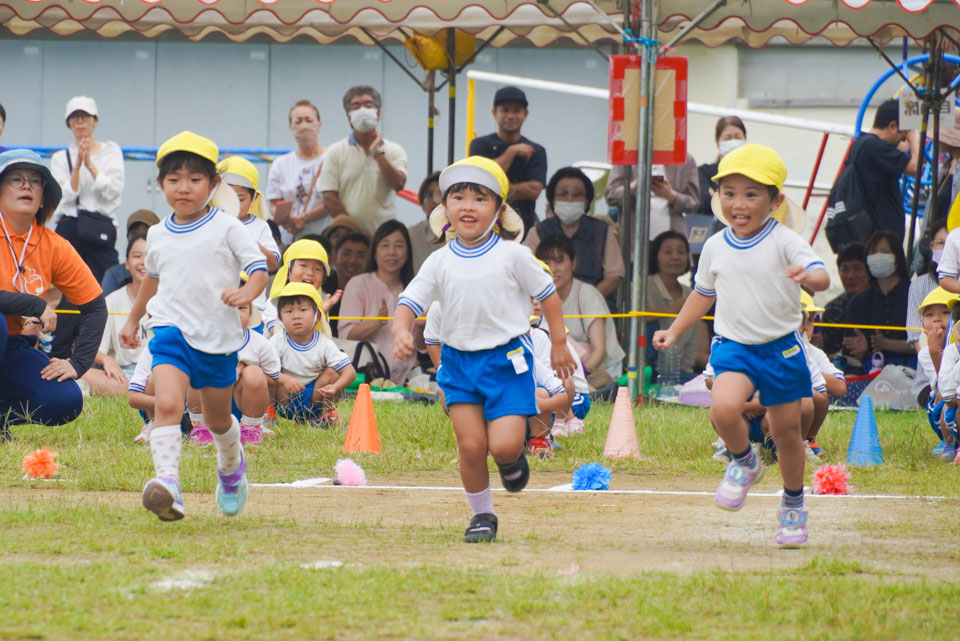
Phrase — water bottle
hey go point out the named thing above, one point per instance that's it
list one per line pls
(46, 342)
(876, 362)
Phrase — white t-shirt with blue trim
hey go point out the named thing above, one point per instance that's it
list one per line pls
(260, 231)
(195, 262)
(756, 301)
(257, 351)
(306, 361)
(485, 292)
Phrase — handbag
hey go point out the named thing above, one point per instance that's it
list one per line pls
(365, 358)
(93, 228)
(848, 217)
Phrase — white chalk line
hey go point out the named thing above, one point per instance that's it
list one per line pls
(322, 482)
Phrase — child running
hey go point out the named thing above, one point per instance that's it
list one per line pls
(753, 271)
(484, 285)
(194, 259)
(315, 371)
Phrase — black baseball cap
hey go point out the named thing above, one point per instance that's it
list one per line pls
(507, 94)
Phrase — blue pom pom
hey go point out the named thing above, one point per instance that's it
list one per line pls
(591, 476)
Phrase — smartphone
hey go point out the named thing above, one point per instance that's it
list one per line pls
(659, 173)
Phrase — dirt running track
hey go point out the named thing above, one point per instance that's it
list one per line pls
(601, 532)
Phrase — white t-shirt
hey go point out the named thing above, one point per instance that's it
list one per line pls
(138, 382)
(485, 292)
(118, 306)
(431, 330)
(260, 231)
(949, 374)
(541, 352)
(949, 264)
(926, 373)
(195, 262)
(102, 194)
(306, 362)
(290, 178)
(355, 176)
(257, 351)
(756, 301)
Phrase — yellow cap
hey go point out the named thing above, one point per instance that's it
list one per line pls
(809, 307)
(756, 162)
(939, 296)
(303, 249)
(242, 173)
(189, 141)
(299, 289)
(477, 170)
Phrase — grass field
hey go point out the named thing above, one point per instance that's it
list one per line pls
(80, 559)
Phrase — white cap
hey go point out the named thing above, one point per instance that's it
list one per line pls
(81, 103)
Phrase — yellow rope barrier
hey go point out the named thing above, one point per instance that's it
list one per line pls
(893, 328)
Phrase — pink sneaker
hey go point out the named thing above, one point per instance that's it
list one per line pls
(251, 434)
(559, 428)
(956, 459)
(574, 426)
(732, 490)
(792, 532)
(200, 434)
(144, 435)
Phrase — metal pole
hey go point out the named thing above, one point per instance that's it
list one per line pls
(625, 218)
(430, 128)
(924, 114)
(641, 225)
(935, 162)
(452, 78)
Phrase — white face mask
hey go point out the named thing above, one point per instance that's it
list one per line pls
(306, 131)
(364, 119)
(728, 145)
(937, 254)
(569, 212)
(881, 265)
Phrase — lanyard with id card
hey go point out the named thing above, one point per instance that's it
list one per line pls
(518, 361)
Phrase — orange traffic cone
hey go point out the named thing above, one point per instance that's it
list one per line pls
(362, 434)
(622, 435)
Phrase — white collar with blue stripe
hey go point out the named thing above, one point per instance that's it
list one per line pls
(752, 241)
(304, 347)
(463, 251)
(246, 338)
(193, 225)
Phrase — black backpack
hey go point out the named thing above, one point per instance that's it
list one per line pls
(848, 215)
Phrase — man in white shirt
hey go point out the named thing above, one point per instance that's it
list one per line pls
(362, 172)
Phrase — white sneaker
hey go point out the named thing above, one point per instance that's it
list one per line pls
(559, 429)
(144, 435)
(810, 454)
(574, 426)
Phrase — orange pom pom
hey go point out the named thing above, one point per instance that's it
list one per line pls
(40, 464)
(831, 479)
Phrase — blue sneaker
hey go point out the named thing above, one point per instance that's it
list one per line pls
(938, 449)
(163, 497)
(949, 452)
(232, 490)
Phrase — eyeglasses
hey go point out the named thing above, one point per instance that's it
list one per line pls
(576, 195)
(17, 181)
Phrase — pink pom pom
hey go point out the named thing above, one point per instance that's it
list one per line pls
(347, 472)
(831, 479)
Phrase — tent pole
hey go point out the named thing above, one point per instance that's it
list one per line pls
(693, 24)
(625, 218)
(641, 224)
(924, 115)
(452, 78)
(430, 125)
(937, 103)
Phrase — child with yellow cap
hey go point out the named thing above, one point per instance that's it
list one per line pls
(484, 285)
(753, 271)
(825, 377)
(194, 258)
(241, 175)
(935, 313)
(304, 261)
(314, 370)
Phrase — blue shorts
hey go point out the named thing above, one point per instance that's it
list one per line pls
(778, 369)
(301, 406)
(169, 347)
(581, 405)
(487, 377)
(934, 412)
(950, 419)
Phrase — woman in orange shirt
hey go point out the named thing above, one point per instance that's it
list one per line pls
(35, 388)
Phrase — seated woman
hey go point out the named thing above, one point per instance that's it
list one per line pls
(594, 338)
(670, 259)
(884, 303)
(35, 388)
(117, 363)
(599, 260)
(375, 293)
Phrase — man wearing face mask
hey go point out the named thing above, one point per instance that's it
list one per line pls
(362, 172)
(598, 258)
(297, 205)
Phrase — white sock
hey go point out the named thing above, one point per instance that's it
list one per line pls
(251, 421)
(196, 418)
(229, 449)
(481, 502)
(165, 442)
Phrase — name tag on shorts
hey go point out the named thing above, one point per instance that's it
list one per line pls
(519, 362)
(793, 351)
